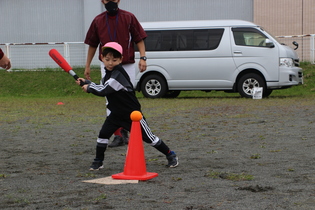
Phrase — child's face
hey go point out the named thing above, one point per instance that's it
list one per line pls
(110, 62)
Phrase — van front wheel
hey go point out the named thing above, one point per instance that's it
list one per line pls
(247, 83)
(153, 86)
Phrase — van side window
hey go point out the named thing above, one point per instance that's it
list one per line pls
(249, 37)
(183, 40)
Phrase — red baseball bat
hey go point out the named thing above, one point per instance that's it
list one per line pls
(57, 57)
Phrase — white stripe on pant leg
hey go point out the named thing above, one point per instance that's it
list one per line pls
(147, 129)
(102, 141)
(149, 133)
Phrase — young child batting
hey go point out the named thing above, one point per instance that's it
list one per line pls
(121, 102)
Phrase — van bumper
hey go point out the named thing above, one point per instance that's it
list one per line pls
(287, 77)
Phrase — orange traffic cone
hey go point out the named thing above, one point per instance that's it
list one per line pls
(135, 166)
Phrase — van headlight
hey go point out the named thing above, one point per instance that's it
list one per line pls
(287, 62)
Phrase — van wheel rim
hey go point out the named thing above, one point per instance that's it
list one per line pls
(249, 84)
(153, 87)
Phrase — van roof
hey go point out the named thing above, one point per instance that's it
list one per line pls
(196, 24)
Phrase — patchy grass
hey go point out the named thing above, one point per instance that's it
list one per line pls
(230, 176)
(255, 156)
(46, 83)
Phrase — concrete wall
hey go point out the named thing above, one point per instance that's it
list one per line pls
(163, 10)
(285, 17)
(288, 17)
(68, 21)
(41, 21)
(38, 21)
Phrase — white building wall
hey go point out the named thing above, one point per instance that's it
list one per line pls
(163, 10)
(42, 21)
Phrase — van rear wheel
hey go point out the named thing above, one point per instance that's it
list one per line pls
(247, 83)
(172, 94)
(153, 86)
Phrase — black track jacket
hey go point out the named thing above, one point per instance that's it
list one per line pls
(119, 92)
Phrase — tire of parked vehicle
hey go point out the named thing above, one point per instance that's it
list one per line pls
(267, 92)
(153, 86)
(172, 94)
(247, 83)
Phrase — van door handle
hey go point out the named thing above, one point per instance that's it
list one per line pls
(238, 52)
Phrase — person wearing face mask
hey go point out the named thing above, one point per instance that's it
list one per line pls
(121, 26)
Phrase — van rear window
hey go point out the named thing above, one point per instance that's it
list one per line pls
(183, 40)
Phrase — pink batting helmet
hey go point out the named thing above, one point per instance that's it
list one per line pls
(113, 45)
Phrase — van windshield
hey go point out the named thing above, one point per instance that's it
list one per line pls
(275, 38)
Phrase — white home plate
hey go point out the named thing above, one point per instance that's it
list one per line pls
(109, 180)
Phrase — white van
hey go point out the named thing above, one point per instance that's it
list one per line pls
(227, 55)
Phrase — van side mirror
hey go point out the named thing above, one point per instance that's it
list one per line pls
(296, 45)
(269, 43)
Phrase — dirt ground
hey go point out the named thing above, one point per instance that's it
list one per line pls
(234, 154)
